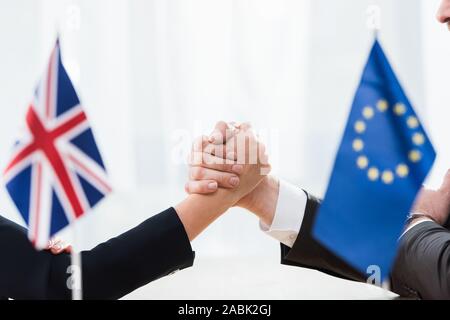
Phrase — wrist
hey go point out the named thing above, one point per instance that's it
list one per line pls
(262, 201)
(197, 212)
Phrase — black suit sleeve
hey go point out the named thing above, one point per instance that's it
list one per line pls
(111, 270)
(307, 252)
(422, 267)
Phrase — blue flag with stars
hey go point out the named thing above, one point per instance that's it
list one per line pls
(380, 166)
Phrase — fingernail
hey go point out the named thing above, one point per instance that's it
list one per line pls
(237, 168)
(234, 181)
(212, 185)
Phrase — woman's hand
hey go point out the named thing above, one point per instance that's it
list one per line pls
(57, 246)
(242, 157)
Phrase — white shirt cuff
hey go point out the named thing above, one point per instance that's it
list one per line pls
(288, 216)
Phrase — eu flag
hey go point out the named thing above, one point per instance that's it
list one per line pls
(380, 166)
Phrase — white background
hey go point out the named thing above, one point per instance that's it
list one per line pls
(154, 74)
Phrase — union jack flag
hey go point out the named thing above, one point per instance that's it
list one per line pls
(56, 172)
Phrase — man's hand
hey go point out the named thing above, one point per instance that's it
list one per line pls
(217, 166)
(435, 203)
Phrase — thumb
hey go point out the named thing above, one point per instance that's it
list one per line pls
(217, 136)
(222, 133)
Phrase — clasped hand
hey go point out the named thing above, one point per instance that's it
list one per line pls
(233, 158)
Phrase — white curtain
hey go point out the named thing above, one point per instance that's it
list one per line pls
(153, 74)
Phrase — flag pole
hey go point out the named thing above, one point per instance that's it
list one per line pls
(75, 281)
(373, 21)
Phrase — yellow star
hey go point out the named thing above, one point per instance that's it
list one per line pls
(358, 145)
(412, 122)
(399, 109)
(360, 126)
(373, 173)
(368, 112)
(362, 162)
(402, 170)
(414, 155)
(418, 139)
(382, 105)
(387, 176)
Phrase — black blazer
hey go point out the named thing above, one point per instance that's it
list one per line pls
(421, 269)
(111, 270)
